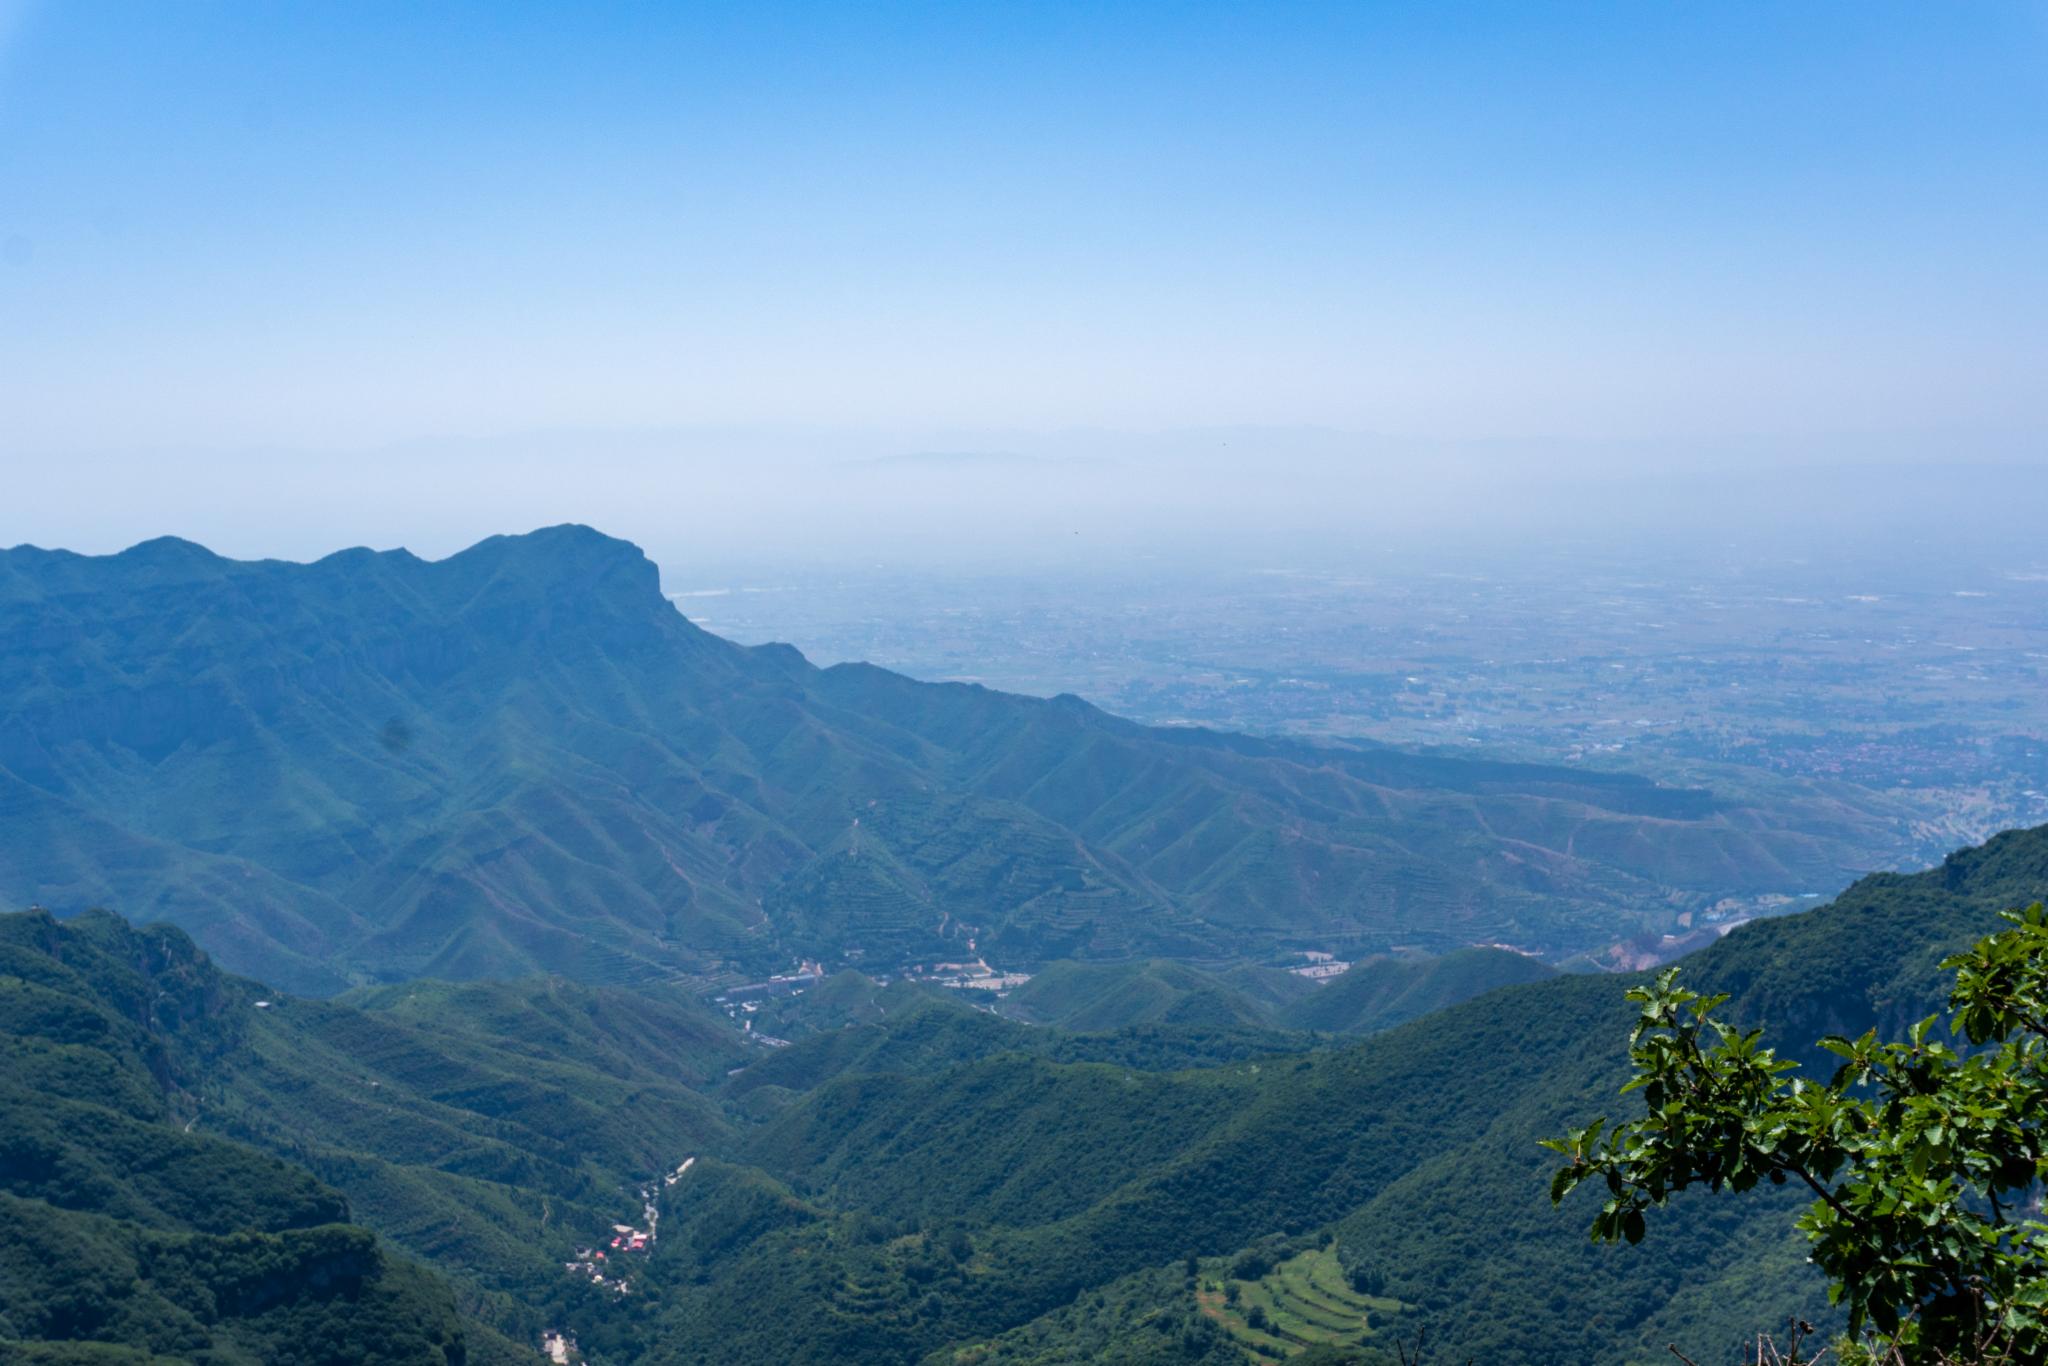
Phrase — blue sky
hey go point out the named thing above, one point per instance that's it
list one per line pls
(489, 239)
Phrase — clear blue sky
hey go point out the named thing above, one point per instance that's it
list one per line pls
(235, 232)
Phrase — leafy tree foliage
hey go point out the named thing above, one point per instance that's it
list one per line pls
(1925, 1159)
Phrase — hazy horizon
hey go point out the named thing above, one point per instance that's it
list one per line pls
(1173, 499)
(948, 283)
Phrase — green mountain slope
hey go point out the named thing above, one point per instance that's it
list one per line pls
(490, 1129)
(1102, 996)
(1374, 995)
(1384, 992)
(910, 1030)
(914, 1178)
(83, 1287)
(127, 1236)
(1416, 1148)
(523, 758)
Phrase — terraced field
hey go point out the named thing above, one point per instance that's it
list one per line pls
(1303, 1301)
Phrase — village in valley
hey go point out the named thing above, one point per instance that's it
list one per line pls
(610, 1266)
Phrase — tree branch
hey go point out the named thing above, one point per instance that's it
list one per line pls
(1818, 1189)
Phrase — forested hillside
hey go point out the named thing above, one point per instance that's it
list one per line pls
(1383, 992)
(913, 1178)
(128, 1235)
(1415, 1150)
(1097, 996)
(159, 1112)
(523, 758)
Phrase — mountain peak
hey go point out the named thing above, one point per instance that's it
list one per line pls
(570, 545)
(171, 551)
(157, 547)
(557, 564)
(565, 536)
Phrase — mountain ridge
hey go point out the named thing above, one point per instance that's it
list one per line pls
(523, 758)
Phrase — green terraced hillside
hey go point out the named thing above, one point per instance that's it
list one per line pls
(1305, 1301)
